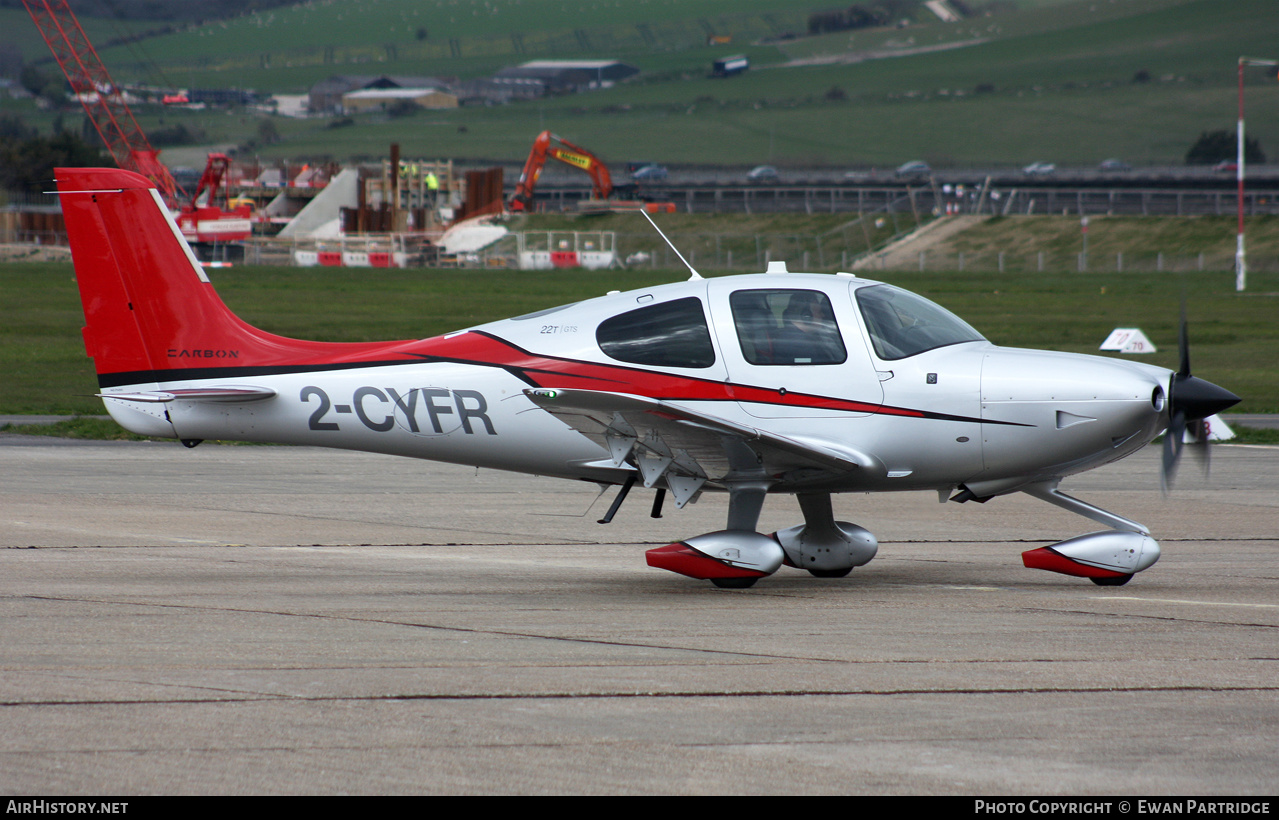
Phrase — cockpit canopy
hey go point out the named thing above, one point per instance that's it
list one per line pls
(902, 324)
(781, 326)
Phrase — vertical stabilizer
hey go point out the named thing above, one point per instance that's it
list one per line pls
(151, 313)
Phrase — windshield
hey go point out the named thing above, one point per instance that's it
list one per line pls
(902, 324)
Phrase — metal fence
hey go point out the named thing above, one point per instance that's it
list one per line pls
(1040, 262)
(1130, 202)
(876, 216)
(705, 252)
(940, 199)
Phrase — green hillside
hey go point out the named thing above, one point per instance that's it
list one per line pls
(287, 49)
(1070, 81)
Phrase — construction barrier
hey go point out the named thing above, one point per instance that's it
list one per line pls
(349, 259)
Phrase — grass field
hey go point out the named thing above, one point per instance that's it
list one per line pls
(1235, 338)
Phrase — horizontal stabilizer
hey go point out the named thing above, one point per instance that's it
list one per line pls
(217, 394)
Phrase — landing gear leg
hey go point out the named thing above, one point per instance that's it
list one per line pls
(745, 503)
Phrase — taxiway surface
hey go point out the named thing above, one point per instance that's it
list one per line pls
(285, 620)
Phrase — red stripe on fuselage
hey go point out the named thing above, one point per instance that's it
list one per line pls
(482, 349)
(548, 371)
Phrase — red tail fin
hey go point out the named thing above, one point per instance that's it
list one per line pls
(151, 313)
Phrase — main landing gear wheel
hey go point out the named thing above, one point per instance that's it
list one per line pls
(1112, 582)
(734, 583)
(830, 573)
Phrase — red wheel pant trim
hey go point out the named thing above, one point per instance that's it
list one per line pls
(1053, 561)
(683, 559)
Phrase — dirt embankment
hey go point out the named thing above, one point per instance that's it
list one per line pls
(905, 251)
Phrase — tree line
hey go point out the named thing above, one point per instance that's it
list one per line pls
(27, 158)
(163, 10)
(863, 15)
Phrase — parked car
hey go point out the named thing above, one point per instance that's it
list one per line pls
(762, 173)
(914, 168)
(651, 172)
(1226, 166)
(1039, 169)
(1114, 165)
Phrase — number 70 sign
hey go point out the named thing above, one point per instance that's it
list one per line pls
(1128, 340)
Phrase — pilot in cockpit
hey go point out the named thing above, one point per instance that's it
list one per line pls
(809, 334)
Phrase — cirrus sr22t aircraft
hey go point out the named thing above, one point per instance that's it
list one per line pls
(748, 385)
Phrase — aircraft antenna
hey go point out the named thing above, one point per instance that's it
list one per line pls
(695, 275)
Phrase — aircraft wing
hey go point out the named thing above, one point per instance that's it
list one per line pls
(689, 448)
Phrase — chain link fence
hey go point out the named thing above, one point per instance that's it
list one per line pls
(1041, 262)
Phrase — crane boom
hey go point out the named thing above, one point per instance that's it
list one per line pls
(102, 99)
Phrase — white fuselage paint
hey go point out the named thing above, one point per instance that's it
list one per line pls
(981, 414)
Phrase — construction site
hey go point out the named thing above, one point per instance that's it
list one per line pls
(404, 211)
(410, 208)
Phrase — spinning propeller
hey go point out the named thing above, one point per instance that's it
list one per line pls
(1190, 401)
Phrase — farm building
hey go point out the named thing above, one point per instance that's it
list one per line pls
(566, 76)
(382, 99)
(325, 97)
(490, 91)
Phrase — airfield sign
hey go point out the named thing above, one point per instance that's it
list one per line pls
(1128, 340)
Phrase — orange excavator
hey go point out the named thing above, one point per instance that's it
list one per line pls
(566, 152)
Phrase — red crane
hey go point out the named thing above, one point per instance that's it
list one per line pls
(102, 99)
(216, 220)
(104, 102)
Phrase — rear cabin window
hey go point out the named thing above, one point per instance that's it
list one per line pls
(776, 327)
(670, 334)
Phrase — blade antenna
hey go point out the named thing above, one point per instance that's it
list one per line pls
(671, 244)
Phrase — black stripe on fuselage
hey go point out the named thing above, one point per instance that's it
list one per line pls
(182, 374)
(524, 374)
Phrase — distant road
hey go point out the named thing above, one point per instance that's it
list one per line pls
(1154, 176)
(1154, 191)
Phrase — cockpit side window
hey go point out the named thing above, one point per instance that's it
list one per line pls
(902, 324)
(670, 334)
(787, 327)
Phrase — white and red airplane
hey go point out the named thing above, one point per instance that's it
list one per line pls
(749, 385)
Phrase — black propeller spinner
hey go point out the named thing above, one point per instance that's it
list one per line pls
(1190, 400)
